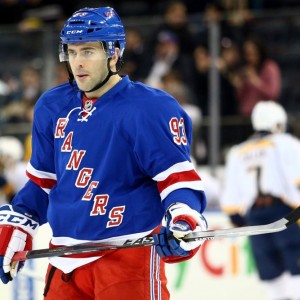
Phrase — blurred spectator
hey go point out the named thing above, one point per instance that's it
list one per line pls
(32, 14)
(259, 78)
(176, 21)
(230, 58)
(239, 18)
(27, 140)
(30, 85)
(227, 64)
(6, 190)
(23, 94)
(213, 13)
(233, 17)
(4, 92)
(167, 57)
(13, 113)
(134, 55)
(174, 85)
(200, 77)
(9, 85)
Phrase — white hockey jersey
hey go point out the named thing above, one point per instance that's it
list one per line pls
(268, 164)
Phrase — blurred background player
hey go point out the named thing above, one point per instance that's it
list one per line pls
(262, 181)
(110, 161)
(12, 165)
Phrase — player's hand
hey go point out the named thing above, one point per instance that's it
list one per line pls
(16, 231)
(179, 221)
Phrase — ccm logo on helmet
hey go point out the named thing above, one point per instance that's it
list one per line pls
(18, 220)
(74, 31)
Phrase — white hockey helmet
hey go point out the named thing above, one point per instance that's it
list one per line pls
(11, 149)
(269, 116)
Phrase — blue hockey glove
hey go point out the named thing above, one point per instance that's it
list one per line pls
(179, 221)
(16, 232)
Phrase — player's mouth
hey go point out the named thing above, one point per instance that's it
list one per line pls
(81, 77)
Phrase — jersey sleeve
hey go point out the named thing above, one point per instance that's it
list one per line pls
(32, 199)
(288, 148)
(161, 137)
(41, 168)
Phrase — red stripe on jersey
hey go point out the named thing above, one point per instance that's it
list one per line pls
(178, 177)
(45, 183)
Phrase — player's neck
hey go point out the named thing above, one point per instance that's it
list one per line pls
(113, 80)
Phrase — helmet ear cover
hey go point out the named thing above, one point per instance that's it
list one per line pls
(120, 61)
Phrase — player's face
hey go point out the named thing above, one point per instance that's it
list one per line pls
(251, 53)
(88, 62)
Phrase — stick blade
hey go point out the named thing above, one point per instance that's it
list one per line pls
(276, 226)
(293, 217)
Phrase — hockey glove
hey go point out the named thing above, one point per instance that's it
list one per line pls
(179, 221)
(16, 232)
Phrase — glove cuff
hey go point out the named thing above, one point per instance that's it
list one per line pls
(182, 212)
(176, 259)
(186, 218)
(12, 218)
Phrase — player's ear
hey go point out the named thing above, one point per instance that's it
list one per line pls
(115, 58)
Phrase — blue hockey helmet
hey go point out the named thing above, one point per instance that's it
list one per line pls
(101, 24)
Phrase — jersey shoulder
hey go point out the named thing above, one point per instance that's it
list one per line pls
(247, 146)
(280, 141)
(285, 137)
(56, 97)
(286, 141)
(51, 103)
(152, 99)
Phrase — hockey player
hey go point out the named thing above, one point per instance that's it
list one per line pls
(262, 181)
(110, 160)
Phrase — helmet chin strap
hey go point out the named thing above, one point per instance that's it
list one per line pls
(98, 85)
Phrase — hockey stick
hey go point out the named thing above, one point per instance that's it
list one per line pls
(276, 226)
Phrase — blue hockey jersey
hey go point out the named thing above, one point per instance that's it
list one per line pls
(110, 169)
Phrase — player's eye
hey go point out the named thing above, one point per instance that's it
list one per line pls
(87, 52)
(71, 53)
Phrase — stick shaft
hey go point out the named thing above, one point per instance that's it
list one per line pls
(148, 241)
